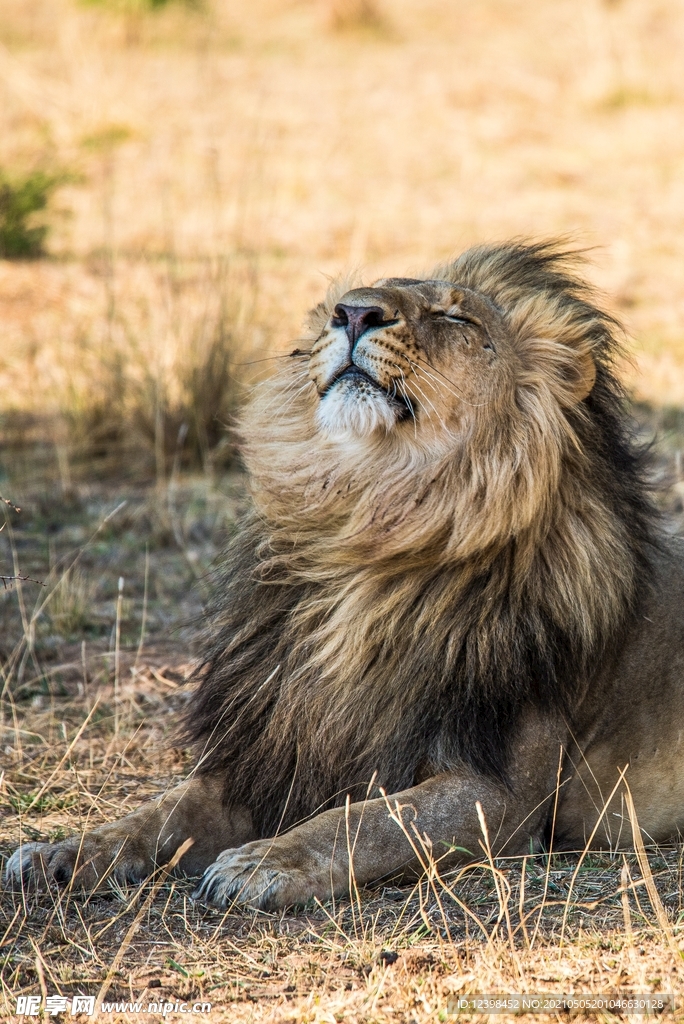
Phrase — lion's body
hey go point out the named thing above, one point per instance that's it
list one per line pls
(633, 718)
(458, 582)
(452, 588)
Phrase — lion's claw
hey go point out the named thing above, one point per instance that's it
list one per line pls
(238, 876)
(88, 860)
(43, 862)
(21, 865)
(258, 874)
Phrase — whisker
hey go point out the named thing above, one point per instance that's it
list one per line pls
(457, 393)
(426, 377)
(437, 386)
(277, 355)
(292, 398)
(426, 399)
(286, 391)
(273, 382)
(406, 398)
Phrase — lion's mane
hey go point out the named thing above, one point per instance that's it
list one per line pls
(385, 613)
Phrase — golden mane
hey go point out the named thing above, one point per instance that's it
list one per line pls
(391, 605)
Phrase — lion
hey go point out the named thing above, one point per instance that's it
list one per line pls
(451, 605)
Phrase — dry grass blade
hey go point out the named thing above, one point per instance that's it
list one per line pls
(625, 885)
(163, 874)
(40, 972)
(503, 890)
(642, 857)
(65, 757)
(559, 771)
(586, 849)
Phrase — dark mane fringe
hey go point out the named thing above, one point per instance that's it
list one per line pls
(462, 662)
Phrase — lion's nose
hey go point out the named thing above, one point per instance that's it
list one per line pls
(357, 319)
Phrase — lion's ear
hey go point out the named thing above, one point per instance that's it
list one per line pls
(580, 376)
(569, 371)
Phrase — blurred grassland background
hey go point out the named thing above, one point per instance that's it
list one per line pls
(207, 165)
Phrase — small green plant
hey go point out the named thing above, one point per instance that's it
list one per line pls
(21, 197)
(41, 804)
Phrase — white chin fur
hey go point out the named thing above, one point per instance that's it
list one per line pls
(346, 409)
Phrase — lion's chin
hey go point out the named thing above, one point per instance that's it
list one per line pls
(347, 409)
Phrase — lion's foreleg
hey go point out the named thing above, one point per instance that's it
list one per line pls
(131, 848)
(437, 820)
(384, 837)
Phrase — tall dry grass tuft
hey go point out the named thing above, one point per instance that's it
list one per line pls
(149, 376)
(71, 607)
(169, 379)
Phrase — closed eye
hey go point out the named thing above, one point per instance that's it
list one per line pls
(454, 318)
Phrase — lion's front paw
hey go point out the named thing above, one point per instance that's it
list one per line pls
(259, 874)
(21, 864)
(89, 860)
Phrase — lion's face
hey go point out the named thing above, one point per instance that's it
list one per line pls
(430, 414)
(421, 359)
(408, 355)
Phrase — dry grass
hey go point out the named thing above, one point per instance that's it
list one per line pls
(225, 159)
